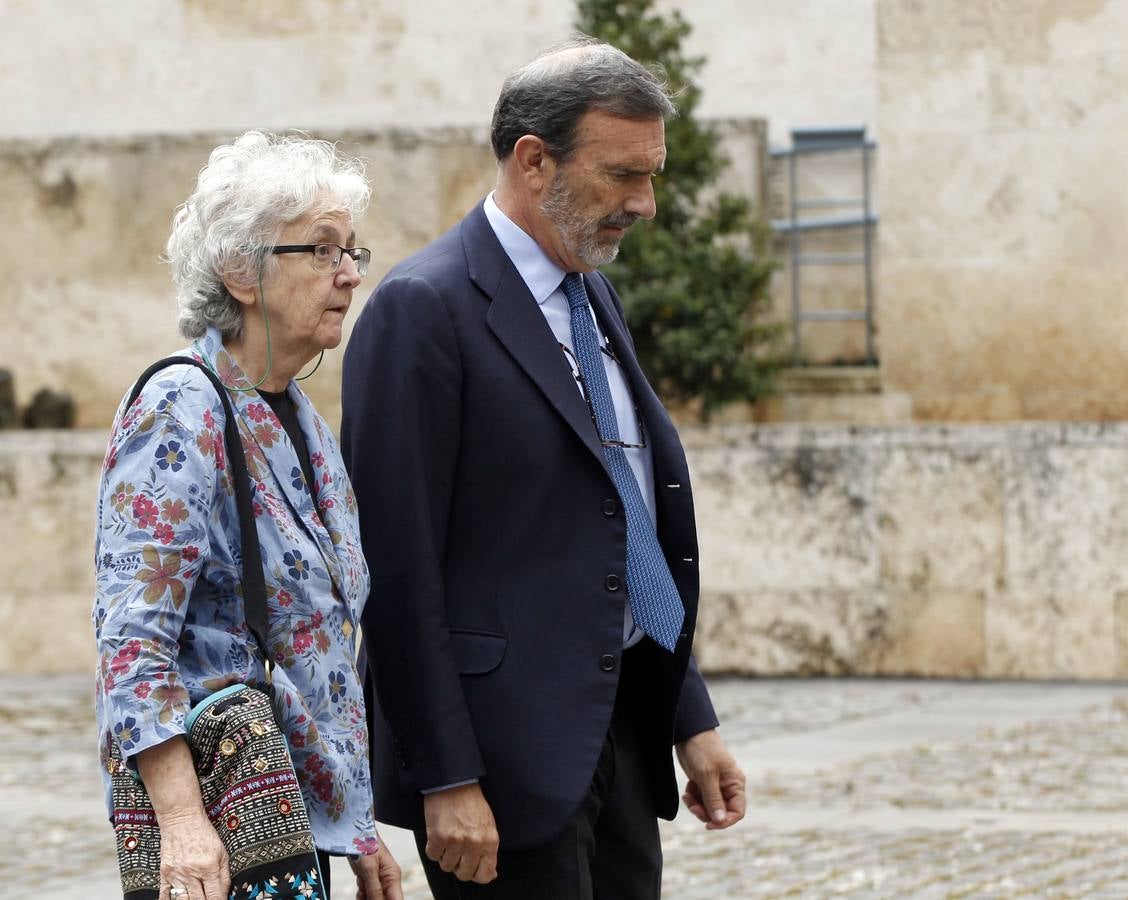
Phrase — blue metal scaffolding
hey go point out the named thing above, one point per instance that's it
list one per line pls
(840, 213)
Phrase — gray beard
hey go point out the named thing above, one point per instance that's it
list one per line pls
(580, 232)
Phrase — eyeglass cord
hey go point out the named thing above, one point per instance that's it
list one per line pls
(269, 353)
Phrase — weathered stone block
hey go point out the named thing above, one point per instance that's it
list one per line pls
(46, 632)
(48, 488)
(1000, 196)
(1120, 634)
(785, 518)
(1067, 535)
(921, 90)
(789, 632)
(962, 361)
(934, 633)
(1045, 635)
(917, 489)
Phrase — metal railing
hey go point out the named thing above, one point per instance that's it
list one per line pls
(820, 141)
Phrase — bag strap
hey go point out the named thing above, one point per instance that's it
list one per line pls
(254, 583)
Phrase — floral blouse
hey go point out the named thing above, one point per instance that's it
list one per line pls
(168, 608)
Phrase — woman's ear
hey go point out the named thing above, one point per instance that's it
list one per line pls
(243, 291)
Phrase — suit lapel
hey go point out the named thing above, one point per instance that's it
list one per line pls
(518, 323)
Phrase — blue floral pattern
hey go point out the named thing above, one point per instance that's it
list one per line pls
(170, 456)
(337, 686)
(168, 609)
(127, 733)
(298, 567)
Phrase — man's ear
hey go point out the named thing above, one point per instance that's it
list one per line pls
(535, 167)
(243, 291)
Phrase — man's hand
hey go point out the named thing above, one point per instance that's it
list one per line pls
(377, 875)
(461, 833)
(715, 791)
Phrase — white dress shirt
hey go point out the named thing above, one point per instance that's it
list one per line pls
(544, 280)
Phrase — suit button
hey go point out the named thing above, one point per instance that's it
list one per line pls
(610, 507)
(611, 582)
(607, 662)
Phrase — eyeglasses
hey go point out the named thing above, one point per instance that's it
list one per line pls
(327, 257)
(574, 364)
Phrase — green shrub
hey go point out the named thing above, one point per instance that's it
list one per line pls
(695, 281)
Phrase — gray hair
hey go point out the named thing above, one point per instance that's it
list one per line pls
(246, 193)
(548, 96)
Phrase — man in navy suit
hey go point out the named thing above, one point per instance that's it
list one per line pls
(526, 512)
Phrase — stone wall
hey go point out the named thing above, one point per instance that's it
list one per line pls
(1004, 209)
(91, 301)
(176, 67)
(968, 551)
(94, 158)
(48, 486)
(965, 551)
(85, 301)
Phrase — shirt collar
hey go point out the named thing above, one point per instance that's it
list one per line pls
(541, 275)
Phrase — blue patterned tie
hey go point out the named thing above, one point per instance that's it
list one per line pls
(655, 602)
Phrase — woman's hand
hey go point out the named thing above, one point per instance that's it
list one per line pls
(193, 858)
(377, 876)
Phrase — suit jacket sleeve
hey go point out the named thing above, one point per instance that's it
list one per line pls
(400, 437)
(695, 709)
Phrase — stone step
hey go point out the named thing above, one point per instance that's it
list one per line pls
(885, 408)
(837, 394)
(844, 395)
(830, 380)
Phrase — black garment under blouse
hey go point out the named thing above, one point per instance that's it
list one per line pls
(287, 413)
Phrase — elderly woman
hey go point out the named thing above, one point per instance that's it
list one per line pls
(264, 260)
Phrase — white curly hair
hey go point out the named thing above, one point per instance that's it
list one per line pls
(246, 193)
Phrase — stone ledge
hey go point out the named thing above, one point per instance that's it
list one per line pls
(18, 443)
(1013, 434)
(930, 550)
(843, 408)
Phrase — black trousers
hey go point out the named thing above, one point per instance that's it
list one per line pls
(323, 860)
(610, 848)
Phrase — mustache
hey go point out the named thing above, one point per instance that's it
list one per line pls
(619, 220)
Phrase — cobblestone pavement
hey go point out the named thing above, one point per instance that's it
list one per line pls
(865, 789)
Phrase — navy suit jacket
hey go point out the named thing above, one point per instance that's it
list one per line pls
(491, 524)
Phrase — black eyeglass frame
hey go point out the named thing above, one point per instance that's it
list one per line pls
(574, 365)
(362, 256)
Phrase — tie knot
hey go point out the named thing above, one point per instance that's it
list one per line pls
(574, 290)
